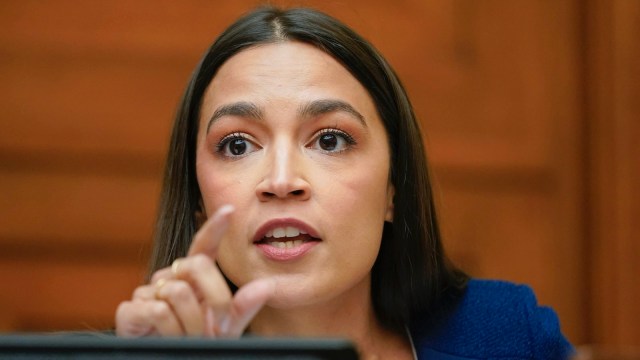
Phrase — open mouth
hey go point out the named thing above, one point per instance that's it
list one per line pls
(286, 237)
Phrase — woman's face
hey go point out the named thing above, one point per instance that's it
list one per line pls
(293, 141)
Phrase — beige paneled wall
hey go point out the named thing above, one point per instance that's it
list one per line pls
(88, 91)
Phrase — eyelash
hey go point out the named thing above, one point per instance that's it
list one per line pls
(335, 131)
(221, 145)
(227, 139)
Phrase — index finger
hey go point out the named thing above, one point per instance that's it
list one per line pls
(207, 239)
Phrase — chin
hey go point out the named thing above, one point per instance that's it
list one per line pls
(301, 291)
(295, 291)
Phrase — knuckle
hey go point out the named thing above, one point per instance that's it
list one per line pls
(160, 310)
(155, 277)
(179, 291)
(140, 292)
(122, 311)
(201, 261)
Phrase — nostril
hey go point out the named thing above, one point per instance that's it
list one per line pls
(297, 194)
(268, 194)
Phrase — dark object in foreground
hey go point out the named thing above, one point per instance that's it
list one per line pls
(82, 346)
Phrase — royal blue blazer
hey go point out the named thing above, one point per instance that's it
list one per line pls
(494, 320)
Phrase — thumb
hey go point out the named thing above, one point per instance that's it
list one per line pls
(246, 303)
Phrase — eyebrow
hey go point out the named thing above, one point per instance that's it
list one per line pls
(325, 106)
(241, 108)
(312, 109)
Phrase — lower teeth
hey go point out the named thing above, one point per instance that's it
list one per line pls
(286, 244)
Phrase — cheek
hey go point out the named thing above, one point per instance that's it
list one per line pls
(367, 184)
(235, 268)
(220, 186)
(357, 200)
(216, 193)
(217, 188)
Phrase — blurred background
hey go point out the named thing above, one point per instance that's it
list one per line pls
(529, 110)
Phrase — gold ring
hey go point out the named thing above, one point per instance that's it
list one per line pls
(174, 267)
(159, 284)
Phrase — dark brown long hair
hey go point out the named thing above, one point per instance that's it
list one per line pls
(411, 277)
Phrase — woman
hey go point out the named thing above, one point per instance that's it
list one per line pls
(297, 168)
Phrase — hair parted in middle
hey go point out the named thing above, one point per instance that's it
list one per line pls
(412, 277)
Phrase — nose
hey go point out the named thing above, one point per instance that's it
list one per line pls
(284, 176)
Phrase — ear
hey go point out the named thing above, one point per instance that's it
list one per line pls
(391, 192)
(200, 216)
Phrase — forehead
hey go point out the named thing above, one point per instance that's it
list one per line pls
(289, 70)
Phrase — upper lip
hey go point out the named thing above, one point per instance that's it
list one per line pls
(284, 222)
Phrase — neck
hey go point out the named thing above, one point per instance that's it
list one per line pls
(351, 316)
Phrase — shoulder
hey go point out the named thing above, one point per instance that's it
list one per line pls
(495, 319)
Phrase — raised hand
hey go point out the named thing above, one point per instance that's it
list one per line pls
(192, 298)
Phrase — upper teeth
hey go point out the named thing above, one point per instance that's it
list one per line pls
(281, 232)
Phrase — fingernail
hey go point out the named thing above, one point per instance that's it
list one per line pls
(225, 210)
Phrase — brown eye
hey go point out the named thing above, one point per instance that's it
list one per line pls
(333, 141)
(237, 147)
(328, 142)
